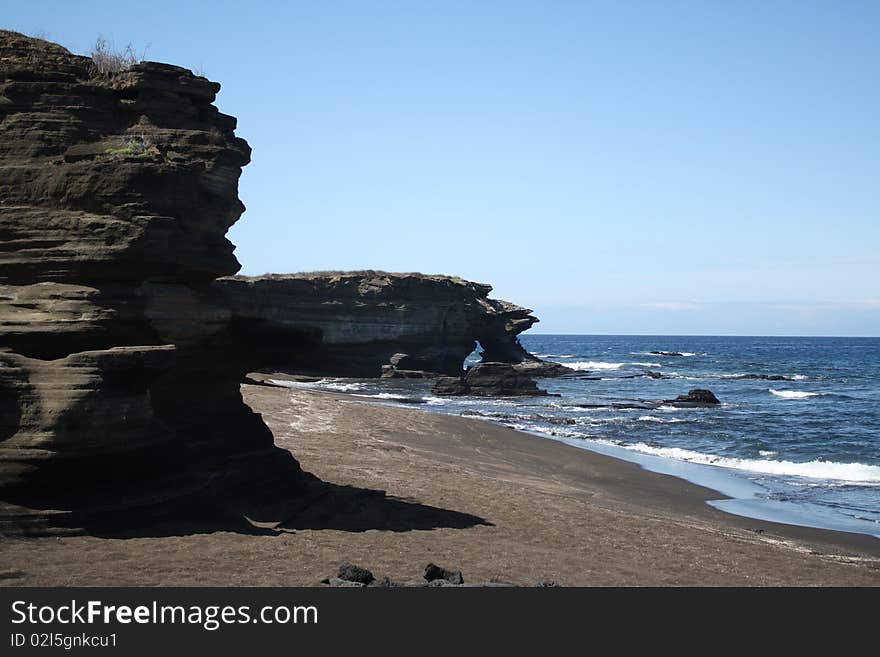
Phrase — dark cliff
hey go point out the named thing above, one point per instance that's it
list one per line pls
(115, 196)
(374, 322)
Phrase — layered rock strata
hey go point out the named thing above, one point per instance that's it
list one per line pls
(377, 323)
(116, 192)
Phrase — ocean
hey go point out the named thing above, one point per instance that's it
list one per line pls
(796, 437)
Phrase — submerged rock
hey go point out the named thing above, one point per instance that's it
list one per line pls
(763, 377)
(655, 375)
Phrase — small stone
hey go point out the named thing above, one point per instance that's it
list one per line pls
(350, 572)
(434, 573)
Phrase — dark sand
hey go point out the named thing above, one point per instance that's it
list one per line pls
(464, 493)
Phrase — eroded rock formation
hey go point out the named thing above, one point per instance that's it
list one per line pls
(381, 324)
(115, 196)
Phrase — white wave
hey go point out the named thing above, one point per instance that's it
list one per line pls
(587, 365)
(798, 377)
(434, 401)
(664, 353)
(851, 472)
(548, 431)
(323, 384)
(654, 418)
(384, 395)
(793, 394)
(341, 387)
(284, 383)
(767, 452)
(582, 365)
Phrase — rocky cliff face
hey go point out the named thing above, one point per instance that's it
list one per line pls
(377, 322)
(115, 196)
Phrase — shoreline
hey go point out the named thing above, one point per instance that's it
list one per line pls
(688, 492)
(736, 492)
(406, 487)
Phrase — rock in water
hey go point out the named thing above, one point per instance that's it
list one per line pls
(695, 397)
(116, 193)
(490, 380)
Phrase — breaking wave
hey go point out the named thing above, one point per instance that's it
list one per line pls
(793, 394)
(587, 365)
(850, 472)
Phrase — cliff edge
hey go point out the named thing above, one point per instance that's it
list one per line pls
(376, 323)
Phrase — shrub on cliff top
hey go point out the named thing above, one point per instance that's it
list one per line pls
(107, 61)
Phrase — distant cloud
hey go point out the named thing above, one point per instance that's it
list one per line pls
(674, 306)
(827, 306)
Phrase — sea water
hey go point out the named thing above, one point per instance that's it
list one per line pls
(795, 439)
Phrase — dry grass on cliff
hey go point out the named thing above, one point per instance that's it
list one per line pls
(106, 60)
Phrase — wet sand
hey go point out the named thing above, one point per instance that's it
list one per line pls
(406, 487)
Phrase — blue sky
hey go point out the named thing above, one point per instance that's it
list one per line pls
(620, 167)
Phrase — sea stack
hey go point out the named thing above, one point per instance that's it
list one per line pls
(116, 192)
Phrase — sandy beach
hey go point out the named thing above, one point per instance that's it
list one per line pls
(405, 487)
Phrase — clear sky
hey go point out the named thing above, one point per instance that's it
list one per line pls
(621, 167)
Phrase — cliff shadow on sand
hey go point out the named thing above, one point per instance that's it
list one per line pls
(324, 505)
(120, 364)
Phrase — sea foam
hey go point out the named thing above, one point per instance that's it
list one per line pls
(793, 394)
